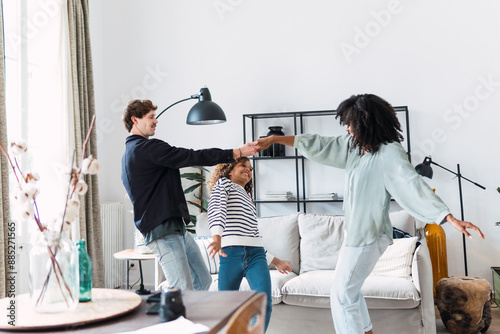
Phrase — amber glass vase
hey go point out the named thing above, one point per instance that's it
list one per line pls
(436, 242)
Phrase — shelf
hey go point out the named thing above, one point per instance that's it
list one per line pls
(300, 183)
(301, 201)
(305, 113)
(291, 114)
(288, 157)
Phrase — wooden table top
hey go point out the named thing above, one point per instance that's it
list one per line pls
(105, 304)
(210, 308)
(131, 254)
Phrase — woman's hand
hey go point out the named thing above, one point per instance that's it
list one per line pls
(462, 226)
(215, 247)
(264, 143)
(283, 266)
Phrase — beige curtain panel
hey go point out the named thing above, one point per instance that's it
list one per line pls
(84, 110)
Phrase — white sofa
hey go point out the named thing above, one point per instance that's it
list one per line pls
(399, 292)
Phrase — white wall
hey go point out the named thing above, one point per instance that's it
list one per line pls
(439, 58)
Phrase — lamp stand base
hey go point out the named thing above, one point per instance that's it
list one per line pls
(143, 291)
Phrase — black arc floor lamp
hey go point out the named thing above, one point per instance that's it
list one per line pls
(204, 112)
(425, 169)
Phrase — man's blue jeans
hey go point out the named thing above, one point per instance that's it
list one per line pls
(181, 261)
(249, 262)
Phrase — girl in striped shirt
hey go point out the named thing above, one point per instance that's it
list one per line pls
(232, 219)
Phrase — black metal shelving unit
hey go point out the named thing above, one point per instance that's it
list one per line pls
(298, 128)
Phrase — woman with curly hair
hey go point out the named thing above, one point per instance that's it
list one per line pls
(232, 220)
(377, 169)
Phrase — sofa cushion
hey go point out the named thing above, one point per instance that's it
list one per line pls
(312, 289)
(212, 264)
(321, 239)
(277, 281)
(390, 293)
(403, 221)
(280, 236)
(397, 259)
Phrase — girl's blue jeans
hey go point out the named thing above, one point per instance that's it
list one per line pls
(249, 262)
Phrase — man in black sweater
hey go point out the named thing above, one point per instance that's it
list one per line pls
(151, 176)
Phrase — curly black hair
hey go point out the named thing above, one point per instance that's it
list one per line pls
(223, 170)
(372, 120)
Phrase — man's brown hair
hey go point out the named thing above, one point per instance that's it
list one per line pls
(137, 108)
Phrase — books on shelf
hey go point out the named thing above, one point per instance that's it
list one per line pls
(325, 196)
(279, 196)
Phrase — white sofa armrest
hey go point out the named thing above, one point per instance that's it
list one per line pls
(422, 277)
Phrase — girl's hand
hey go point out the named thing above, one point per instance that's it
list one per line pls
(215, 247)
(283, 266)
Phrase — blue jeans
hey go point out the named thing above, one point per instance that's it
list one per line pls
(181, 261)
(349, 310)
(249, 262)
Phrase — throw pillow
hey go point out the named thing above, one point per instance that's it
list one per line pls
(212, 264)
(403, 221)
(396, 260)
(321, 237)
(280, 237)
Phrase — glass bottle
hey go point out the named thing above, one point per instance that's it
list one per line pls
(85, 272)
(278, 150)
(53, 274)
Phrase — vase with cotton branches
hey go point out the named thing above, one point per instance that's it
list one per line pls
(53, 273)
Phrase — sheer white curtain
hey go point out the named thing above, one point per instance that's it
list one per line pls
(39, 106)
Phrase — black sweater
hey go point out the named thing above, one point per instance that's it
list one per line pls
(151, 176)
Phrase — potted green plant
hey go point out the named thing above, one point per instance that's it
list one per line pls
(194, 186)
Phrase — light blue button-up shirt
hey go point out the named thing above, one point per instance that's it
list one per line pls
(371, 181)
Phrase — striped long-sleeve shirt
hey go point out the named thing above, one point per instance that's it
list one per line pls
(232, 215)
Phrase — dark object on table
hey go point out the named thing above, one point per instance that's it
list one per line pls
(153, 309)
(154, 298)
(171, 306)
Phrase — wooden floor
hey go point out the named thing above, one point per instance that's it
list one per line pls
(494, 327)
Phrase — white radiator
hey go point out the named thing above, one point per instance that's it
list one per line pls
(112, 229)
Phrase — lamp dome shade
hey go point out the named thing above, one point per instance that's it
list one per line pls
(205, 111)
(424, 169)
